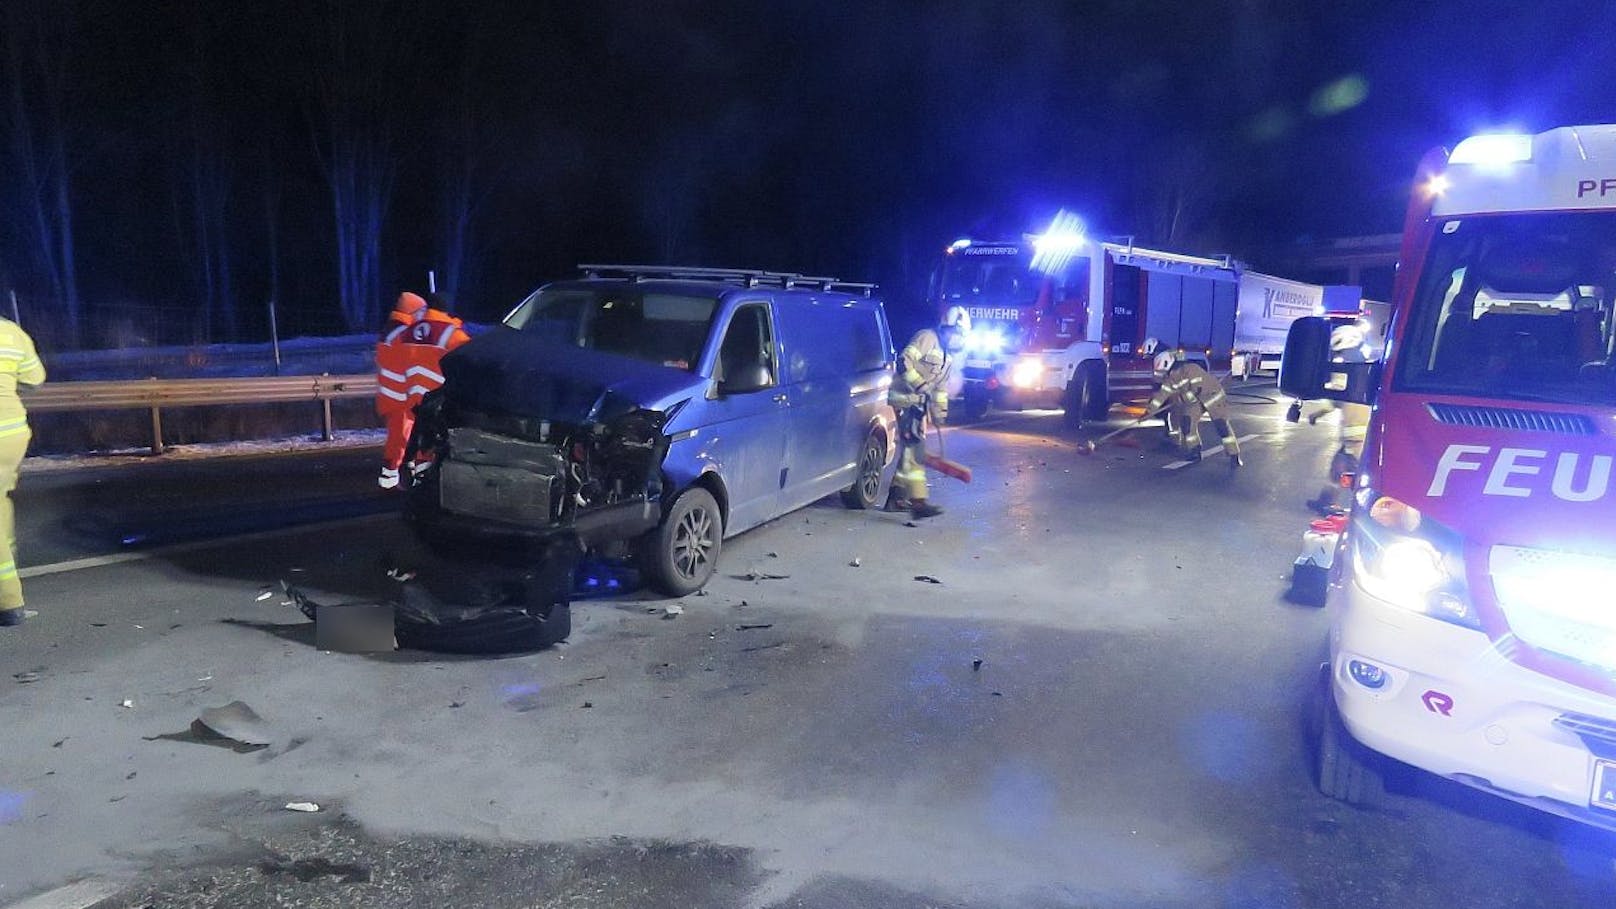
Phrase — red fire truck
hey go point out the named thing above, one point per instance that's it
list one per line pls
(1058, 319)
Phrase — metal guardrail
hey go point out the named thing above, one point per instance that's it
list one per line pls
(156, 394)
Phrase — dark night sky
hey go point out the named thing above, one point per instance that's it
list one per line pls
(846, 138)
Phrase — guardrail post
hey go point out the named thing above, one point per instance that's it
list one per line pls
(156, 430)
(320, 390)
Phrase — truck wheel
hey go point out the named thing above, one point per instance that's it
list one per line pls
(1085, 397)
(1347, 770)
(681, 554)
(866, 489)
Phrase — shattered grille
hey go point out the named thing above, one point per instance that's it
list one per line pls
(501, 478)
(1510, 418)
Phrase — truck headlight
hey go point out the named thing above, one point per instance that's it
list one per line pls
(1027, 373)
(987, 342)
(1406, 559)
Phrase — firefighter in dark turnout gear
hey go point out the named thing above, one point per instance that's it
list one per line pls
(1189, 392)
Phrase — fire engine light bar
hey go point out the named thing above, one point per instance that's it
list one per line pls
(1055, 247)
(957, 245)
(1493, 149)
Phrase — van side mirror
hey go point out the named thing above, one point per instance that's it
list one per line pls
(1306, 373)
(749, 378)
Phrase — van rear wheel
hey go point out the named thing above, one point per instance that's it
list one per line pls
(866, 489)
(681, 554)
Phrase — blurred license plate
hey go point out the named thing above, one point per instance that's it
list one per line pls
(1604, 794)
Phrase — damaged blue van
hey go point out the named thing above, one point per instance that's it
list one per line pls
(663, 408)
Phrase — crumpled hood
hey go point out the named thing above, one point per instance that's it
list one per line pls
(507, 371)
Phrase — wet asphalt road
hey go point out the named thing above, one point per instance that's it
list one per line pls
(1132, 735)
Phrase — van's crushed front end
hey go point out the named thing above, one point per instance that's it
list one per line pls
(525, 452)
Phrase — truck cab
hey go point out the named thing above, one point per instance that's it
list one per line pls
(1473, 627)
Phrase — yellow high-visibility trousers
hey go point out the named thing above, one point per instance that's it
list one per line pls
(12, 449)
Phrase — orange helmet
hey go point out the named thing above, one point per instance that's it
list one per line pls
(408, 309)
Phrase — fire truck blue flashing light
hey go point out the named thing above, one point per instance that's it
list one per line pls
(957, 245)
(1493, 149)
(1056, 246)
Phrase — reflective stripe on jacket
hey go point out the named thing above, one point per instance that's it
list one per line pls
(19, 365)
(429, 339)
(1187, 385)
(392, 370)
(923, 371)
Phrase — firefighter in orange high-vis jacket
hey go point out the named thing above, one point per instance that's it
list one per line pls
(393, 402)
(19, 364)
(435, 334)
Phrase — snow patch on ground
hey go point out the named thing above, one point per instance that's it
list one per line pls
(343, 438)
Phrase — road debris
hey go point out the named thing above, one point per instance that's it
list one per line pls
(587, 705)
(305, 807)
(29, 676)
(976, 664)
(127, 703)
(759, 576)
(927, 579)
(758, 627)
(855, 563)
(265, 595)
(238, 723)
(671, 610)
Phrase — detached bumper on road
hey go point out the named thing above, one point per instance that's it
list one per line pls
(1452, 705)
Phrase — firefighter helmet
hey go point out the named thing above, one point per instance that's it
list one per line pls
(955, 326)
(1149, 347)
(1346, 337)
(1164, 361)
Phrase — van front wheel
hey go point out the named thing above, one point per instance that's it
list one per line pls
(682, 553)
(1347, 771)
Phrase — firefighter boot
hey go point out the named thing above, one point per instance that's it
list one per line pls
(11, 616)
(388, 478)
(920, 509)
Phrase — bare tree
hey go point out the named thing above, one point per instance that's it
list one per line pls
(36, 59)
(358, 58)
(473, 148)
(206, 183)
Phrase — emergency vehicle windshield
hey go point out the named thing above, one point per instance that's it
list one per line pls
(1516, 306)
(997, 280)
(666, 329)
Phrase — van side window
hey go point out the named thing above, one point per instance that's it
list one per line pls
(748, 344)
(864, 340)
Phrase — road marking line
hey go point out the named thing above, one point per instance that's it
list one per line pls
(1176, 465)
(73, 896)
(159, 552)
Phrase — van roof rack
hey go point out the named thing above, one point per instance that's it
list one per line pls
(745, 277)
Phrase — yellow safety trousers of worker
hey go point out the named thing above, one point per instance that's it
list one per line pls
(911, 475)
(12, 448)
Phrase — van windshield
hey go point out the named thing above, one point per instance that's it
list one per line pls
(666, 329)
(1516, 306)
